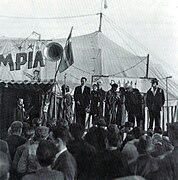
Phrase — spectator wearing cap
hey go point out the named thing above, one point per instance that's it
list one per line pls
(82, 152)
(46, 152)
(112, 102)
(110, 163)
(4, 166)
(96, 135)
(15, 139)
(155, 100)
(28, 162)
(145, 165)
(82, 101)
(65, 109)
(169, 165)
(133, 103)
(64, 161)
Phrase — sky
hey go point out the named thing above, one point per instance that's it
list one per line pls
(140, 26)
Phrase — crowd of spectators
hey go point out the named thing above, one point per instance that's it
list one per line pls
(67, 151)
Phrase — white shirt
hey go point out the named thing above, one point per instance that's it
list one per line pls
(59, 153)
(82, 88)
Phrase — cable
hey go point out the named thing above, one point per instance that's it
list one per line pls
(18, 44)
(46, 18)
(81, 70)
(128, 68)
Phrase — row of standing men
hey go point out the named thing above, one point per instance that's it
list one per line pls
(113, 104)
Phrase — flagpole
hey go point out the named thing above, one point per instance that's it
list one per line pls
(101, 13)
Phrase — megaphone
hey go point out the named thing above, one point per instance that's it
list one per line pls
(53, 51)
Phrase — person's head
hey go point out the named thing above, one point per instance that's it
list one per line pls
(29, 132)
(144, 145)
(113, 136)
(114, 87)
(122, 90)
(129, 88)
(20, 101)
(101, 122)
(158, 130)
(36, 73)
(95, 87)
(83, 81)
(76, 131)
(173, 133)
(154, 82)
(46, 152)
(41, 133)
(137, 132)
(16, 127)
(157, 139)
(61, 137)
(99, 84)
(36, 122)
(65, 88)
(4, 166)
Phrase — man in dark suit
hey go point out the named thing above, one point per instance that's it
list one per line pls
(64, 161)
(19, 111)
(82, 101)
(133, 103)
(155, 100)
(46, 152)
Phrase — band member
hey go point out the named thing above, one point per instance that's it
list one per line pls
(112, 101)
(19, 111)
(82, 101)
(94, 103)
(102, 97)
(133, 103)
(155, 100)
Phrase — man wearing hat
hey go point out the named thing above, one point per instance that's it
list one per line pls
(112, 101)
(133, 103)
(155, 100)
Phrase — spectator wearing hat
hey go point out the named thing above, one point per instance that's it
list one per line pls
(145, 164)
(169, 165)
(15, 139)
(155, 100)
(64, 161)
(46, 152)
(28, 162)
(112, 102)
(82, 101)
(133, 103)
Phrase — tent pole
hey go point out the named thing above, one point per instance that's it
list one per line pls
(167, 98)
(100, 25)
(147, 66)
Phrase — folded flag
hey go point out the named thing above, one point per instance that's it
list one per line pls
(67, 58)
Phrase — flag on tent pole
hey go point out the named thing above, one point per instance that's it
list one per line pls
(105, 4)
(67, 58)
